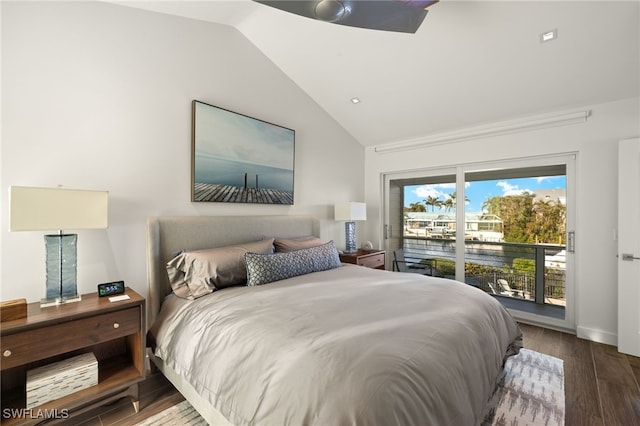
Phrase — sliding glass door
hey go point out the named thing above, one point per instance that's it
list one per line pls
(516, 233)
(503, 227)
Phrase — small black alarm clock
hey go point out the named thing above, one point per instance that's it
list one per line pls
(109, 289)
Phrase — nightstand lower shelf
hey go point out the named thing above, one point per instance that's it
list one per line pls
(116, 379)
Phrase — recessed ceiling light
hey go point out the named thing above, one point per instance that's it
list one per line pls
(548, 36)
(355, 100)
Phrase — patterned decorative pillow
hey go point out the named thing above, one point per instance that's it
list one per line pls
(267, 268)
(196, 273)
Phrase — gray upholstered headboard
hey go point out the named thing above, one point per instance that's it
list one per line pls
(168, 235)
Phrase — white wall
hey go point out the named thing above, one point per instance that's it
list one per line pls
(595, 142)
(98, 96)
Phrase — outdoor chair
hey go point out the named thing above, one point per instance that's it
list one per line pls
(402, 264)
(492, 288)
(506, 289)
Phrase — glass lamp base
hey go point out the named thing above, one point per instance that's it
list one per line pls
(61, 263)
(59, 300)
(350, 237)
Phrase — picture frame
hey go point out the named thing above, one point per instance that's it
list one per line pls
(236, 158)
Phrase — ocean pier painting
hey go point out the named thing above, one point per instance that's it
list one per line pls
(240, 159)
(236, 194)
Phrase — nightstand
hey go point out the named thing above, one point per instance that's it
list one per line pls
(113, 331)
(369, 258)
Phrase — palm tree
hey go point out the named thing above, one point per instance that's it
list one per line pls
(451, 202)
(416, 207)
(432, 201)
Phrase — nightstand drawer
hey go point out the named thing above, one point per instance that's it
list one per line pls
(33, 345)
(373, 261)
(367, 258)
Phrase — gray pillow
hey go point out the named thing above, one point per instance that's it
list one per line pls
(267, 268)
(196, 273)
(291, 244)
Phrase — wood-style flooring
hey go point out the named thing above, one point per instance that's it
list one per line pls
(601, 385)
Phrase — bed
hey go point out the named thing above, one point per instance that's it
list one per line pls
(342, 344)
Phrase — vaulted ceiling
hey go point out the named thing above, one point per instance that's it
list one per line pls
(470, 63)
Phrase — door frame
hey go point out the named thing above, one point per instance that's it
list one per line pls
(570, 160)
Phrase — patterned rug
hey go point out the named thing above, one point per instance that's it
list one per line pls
(182, 414)
(530, 392)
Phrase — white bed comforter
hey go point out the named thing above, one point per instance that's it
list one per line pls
(341, 347)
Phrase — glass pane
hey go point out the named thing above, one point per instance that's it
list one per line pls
(515, 230)
(429, 229)
(555, 276)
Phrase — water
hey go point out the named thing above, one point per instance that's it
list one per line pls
(228, 172)
(494, 255)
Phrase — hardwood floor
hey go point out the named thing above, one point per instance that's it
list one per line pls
(156, 395)
(601, 385)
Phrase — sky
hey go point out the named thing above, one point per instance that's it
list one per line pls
(227, 135)
(478, 192)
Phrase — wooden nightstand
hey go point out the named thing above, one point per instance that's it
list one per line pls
(113, 331)
(369, 258)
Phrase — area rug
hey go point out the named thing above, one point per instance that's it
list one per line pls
(530, 392)
(182, 414)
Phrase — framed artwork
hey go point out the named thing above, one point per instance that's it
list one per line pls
(239, 159)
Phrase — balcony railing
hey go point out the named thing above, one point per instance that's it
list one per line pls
(531, 272)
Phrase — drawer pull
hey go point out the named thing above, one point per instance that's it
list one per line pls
(116, 325)
(6, 353)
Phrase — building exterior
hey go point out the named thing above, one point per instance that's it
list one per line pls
(478, 226)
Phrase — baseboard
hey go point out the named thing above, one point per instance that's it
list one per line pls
(596, 335)
(541, 321)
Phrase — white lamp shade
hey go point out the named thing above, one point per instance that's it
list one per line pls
(44, 209)
(351, 211)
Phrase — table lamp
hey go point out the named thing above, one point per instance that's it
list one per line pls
(350, 212)
(43, 209)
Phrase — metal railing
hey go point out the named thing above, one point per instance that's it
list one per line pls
(533, 272)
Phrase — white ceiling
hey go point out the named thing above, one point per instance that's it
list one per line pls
(470, 63)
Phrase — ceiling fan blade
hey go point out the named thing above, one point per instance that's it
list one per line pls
(388, 15)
